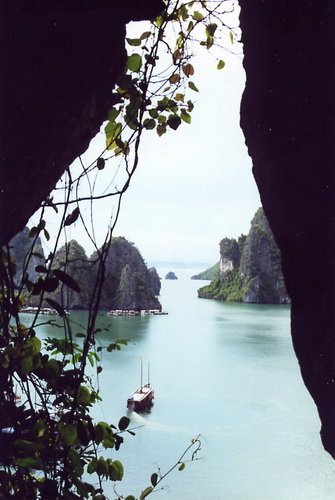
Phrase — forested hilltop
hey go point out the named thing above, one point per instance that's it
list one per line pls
(250, 269)
(128, 283)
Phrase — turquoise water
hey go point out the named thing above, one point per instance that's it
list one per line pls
(227, 372)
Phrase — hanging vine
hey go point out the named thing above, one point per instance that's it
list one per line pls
(50, 444)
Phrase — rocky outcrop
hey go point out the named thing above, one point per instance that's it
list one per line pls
(60, 61)
(128, 283)
(249, 268)
(20, 247)
(155, 281)
(287, 115)
(171, 276)
(72, 259)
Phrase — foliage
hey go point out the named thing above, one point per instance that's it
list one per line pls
(255, 274)
(52, 445)
(209, 274)
(231, 288)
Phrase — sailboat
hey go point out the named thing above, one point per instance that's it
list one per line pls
(143, 397)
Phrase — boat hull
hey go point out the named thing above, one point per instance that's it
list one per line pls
(142, 399)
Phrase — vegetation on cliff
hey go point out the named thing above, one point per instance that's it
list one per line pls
(209, 274)
(128, 283)
(249, 268)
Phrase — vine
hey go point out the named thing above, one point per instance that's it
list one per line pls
(50, 444)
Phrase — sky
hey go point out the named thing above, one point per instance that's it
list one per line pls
(193, 186)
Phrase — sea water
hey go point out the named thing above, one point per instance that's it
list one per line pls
(226, 372)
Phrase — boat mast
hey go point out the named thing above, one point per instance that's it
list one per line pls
(148, 372)
(141, 373)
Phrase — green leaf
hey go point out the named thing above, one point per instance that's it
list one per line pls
(179, 97)
(190, 26)
(162, 119)
(231, 37)
(58, 308)
(72, 217)
(50, 284)
(181, 466)
(159, 21)
(197, 16)
(149, 123)
(185, 116)
(100, 163)
(175, 78)
(209, 42)
(174, 121)
(66, 279)
(112, 131)
(153, 113)
(26, 365)
(134, 63)
(190, 106)
(145, 35)
(146, 492)
(33, 232)
(41, 269)
(92, 466)
(83, 433)
(35, 343)
(135, 42)
(161, 129)
(84, 395)
(76, 462)
(221, 64)
(68, 432)
(193, 87)
(113, 114)
(154, 479)
(102, 467)
(28, 462)
(130, 497)
(46, 234)
(210, 29)
(122, 341)
(123, 423)
(116, 470)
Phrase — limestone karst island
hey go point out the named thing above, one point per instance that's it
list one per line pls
(249, 269)
(129, 284)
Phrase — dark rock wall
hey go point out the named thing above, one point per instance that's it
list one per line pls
(288, 118)
(260, 265)
(59, 62)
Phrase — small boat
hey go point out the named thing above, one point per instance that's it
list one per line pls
(143, 397)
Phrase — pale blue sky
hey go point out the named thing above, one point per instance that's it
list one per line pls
(193, 186)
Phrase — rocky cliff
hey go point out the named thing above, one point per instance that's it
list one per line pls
(19, 247)
(249, 268)
(128, 283)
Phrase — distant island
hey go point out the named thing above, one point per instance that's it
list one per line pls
(249, 268)
(171, 276)
(128, 285)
